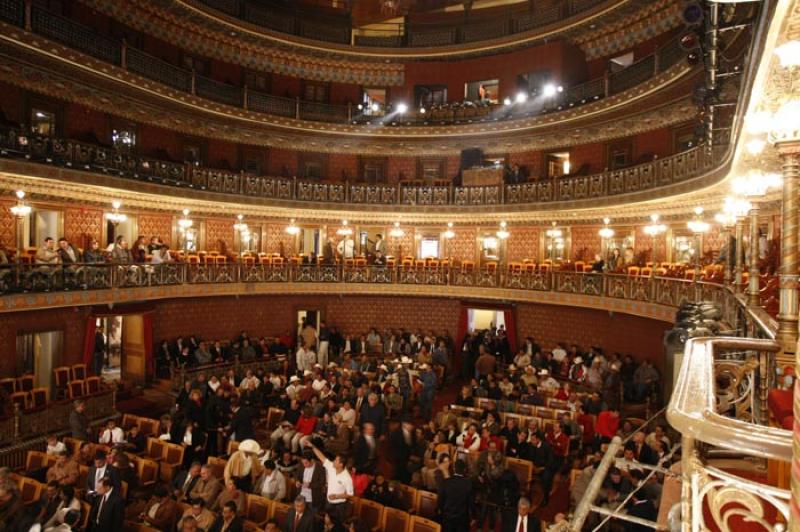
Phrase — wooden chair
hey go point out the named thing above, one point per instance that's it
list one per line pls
(75, 389)
(79, 372)
(9, 385)
(395, 520)
(35, 460)
(279, 511)
(426, 504)
(172, 461)
(62, 375)
(38, 397)
(420, 524)
(147, 471)
(29, 490)
(25, 383)
(369, 512)
(148, 427)
(217, 466)
(408, 495)
(523, 469)
(86, 509)
(92, 385)
(20, 399)
(73, 444)
(258, 509)
(155, 449)
(128, 421)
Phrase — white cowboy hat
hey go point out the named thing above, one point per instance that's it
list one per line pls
(333, 365)
(317, 366)
(307, 373)
(512, 367)
(529, 368)
(544, 372)
(578, 360)
(406, 360)
(423, 367)
(383, 367)
(294, 378)
(250, 446)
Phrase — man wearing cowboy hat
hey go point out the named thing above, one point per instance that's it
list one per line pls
(577, 372)
(546, 382)
(244, 466)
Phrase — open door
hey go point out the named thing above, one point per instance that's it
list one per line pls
(134, 362)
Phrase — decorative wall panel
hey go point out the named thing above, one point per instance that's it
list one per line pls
(585, 243)
(82, 225)
(156, 225)
(8, 225)
(219, 232)
(523, 244)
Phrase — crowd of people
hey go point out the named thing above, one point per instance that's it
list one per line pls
(358, 421)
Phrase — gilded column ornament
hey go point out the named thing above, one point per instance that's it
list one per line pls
(787, 314)
(753, 296)
(739, 264)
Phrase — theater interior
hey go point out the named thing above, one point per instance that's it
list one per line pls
(399, 265)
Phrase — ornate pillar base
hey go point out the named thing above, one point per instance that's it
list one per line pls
(787, 314)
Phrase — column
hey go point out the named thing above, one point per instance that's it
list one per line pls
(752, 288)
(787, 313)
(739, 264)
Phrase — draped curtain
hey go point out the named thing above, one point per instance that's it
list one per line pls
(463, 323)
(103, 312)
(88, 341)
(511, 330)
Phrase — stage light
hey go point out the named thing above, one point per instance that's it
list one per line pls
(549, 90)
(402, 108)
(521, 97)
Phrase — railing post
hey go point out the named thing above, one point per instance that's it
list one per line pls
(297, 108)
(244, 97)
(606, 84)
(28, 10)
(123, 54)
(349, 112)
(753, 297)
(688, 456)
(194, 82)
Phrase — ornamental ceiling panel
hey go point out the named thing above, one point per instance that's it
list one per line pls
(175, 23)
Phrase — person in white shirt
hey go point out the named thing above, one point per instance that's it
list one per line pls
(347, 414)
(559, 354)
(272, 484)
(248, 378)
(319, 382)
(300, 358)
(546, 382)
(346, 248)
(294, 387)
(469, 440)
(113, 434)
(340, 484)
(55, 447)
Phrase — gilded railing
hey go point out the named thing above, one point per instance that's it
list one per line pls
(86, 40)
(72, 154)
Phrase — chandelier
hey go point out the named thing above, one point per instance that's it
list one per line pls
(606, 231)
(698, 225)
(185, 223)
(654, 228)
(732, 209)
(449, 233)
(553, 233)
(344, 230)
(755, 183)
(292, 229)
(21, 210)
(240, 225)
(503, 233)
(116, 217)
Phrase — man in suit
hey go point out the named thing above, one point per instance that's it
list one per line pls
(207, 487)
(365, 452)
(373, 412)
(454, 500)
(300, 518)
(100, 470)
(108, 508)
(228, 521)
(241, 425)
(311, 481)
(184, 482)
(402, 443)
(521, 520)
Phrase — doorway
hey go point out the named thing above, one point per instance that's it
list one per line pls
(482, 319)
(307, 316)
(125, 228)
(121, 354)
(38, 354)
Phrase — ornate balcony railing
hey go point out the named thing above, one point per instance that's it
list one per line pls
(106, 160)
(86, 40)
(403, 34)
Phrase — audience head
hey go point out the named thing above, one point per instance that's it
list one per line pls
(299, 504)
(229, 510)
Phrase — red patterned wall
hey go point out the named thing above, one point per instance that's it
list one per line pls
(219, 230)
(82, 225)
(463, 246)
(644, 242)
(585, 242)
(8, 225)
(156, 225)
(278, 240)
(523, 244)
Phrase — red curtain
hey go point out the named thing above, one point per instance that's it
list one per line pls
(463, 323)
(147, 326)
(511, 330)
(88, 341)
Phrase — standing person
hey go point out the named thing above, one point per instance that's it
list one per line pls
(108, 509)
(428, 378)
(340, 484)
(454, 500)
(309, 335)
(99, 352)
(346, 248)
(311, 482)
(380, 245)
(324, 344)
(78, 422)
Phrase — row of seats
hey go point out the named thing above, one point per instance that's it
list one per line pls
(32, 490)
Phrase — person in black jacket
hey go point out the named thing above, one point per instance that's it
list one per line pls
(108, 509)
(228, 517)
(365, 451)
(544, 464)
(241, 426)
(521, 518)
(454, 500)
(373, 412)
(299, 518)
(402, 442)
(100, 471)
